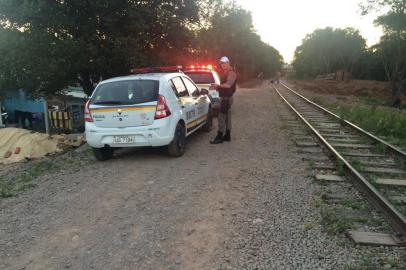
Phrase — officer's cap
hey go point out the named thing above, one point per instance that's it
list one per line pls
(224, 59)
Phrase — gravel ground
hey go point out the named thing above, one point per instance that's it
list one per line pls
(248, 204)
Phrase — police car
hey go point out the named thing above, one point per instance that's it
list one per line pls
(154, 108)
(203, 76)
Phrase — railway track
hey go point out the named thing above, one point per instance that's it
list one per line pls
(375, 167)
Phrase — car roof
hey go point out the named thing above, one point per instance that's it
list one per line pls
(146, 76)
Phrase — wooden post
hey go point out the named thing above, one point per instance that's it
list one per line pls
(46, 118)
(1, 117)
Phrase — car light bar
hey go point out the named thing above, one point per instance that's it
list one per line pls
(166, 69)
(200, 67)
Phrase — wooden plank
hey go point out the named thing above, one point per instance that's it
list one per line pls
(328, 177)
(353, 214)
(323, 166)
(323, 124)
(383, 170)
(378, 164)
(371, 238)
(342, 140)
(310, 150)
(330, 131)
(294, 125)
(391, 182)
(316, 119)
(355, 154)
(341, 135)
(303, 138)
(306, 144)
(315, 158)
(349, 145)
(333, 197)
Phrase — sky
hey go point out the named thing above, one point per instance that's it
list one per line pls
(283, 24)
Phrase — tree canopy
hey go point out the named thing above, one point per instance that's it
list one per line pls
(49, 45)
(232, 33)
(392, 47)
(327, 50)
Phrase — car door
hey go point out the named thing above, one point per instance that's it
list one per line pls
(186, 102)
(200, 101)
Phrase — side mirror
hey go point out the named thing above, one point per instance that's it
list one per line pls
(204, 91)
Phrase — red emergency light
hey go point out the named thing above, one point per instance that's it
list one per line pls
(209, 67)
(164, 69)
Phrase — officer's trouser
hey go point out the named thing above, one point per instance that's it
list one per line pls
(224, 118)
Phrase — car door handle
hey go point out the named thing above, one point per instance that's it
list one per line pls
(182, 106)
(197, 103)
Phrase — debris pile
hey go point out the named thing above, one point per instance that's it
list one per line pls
(20, 144)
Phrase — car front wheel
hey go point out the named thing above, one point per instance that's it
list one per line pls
(177, 147)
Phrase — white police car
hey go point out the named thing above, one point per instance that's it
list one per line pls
(154, 109)
(203, 77)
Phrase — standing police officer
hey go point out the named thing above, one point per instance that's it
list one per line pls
(226, 91)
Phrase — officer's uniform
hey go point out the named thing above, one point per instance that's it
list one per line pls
(228, 78)
(226, 100)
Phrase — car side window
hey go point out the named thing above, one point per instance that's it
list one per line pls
(179, 87)
(191, 87)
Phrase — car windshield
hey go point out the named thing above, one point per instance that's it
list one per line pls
(126, 92)
(201, 77)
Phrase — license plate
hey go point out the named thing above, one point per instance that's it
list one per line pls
(123, 139)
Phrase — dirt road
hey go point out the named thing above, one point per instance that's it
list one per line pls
(239, 205)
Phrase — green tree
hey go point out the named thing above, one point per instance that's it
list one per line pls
(327, 50)
(392, 46)
(48, 45)
(230, 32)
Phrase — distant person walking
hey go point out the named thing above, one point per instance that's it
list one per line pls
(278, 75)
(226, 91)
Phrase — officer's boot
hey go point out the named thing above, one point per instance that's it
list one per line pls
(227, 137)
(218, 139)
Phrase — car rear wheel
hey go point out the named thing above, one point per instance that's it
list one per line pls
(103, 154)
(177, 147)
(207, 127)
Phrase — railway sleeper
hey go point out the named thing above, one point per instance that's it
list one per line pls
(349, 145)
(322, 166)
(343, 141)
(341, 135)
(383, 170)
(359, 154)
(306, 144)
(399, 199)
(391, 182)
(329, 177)
(309, 150)
(372, 238)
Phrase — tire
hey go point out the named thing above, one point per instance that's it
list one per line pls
(207, 127)
(103, 154)
(215, 112)
(177, 147)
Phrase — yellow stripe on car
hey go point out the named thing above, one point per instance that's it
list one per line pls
(197, 121)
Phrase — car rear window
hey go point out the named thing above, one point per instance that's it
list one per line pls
(126, 92)
(201, 77)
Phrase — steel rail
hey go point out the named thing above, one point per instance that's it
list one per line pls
(397, 220)
(392, 147)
